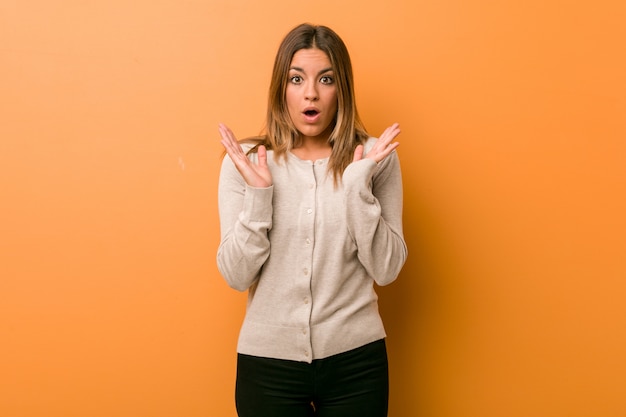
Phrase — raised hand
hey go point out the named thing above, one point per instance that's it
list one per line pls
(255, 175)
(382, 147)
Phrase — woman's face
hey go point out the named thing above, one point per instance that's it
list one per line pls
(312, 94)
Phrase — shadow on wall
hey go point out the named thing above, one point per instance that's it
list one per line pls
(423, 312)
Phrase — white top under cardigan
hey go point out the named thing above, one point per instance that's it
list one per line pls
(309, 253)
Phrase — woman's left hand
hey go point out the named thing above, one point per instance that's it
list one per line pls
(383, 146)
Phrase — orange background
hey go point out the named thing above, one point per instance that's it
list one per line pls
(512, 302)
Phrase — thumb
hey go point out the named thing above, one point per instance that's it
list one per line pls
(358, 153)
(262, 153)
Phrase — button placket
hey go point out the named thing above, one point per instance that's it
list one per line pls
(306, 265)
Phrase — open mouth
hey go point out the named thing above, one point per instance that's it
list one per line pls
(311, 113)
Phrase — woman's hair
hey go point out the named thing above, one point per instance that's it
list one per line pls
(281, 134)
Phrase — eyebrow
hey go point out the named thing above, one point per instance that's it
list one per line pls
(325, 70)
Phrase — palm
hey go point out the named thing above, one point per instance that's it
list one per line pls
(256, 175)
(383, 146)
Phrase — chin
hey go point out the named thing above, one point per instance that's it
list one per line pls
(314, 131)
(311, 133)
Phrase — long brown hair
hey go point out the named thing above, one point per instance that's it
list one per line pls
(280, 133)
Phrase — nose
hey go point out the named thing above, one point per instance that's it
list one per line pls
(310, 92)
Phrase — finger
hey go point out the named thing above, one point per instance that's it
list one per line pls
(358, 153)
(232, 149)
(227, 134)
(230, 143)
(386, 138)
(391, 147)
(262, 154)
(223, 130)
(382, 148)
(224, 139)
(391, 132)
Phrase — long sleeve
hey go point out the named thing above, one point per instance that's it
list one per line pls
(373, 200)
(245, 220)
(312, 295)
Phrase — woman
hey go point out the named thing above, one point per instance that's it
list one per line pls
(311, 218)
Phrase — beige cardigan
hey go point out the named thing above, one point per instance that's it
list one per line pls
(309, 253)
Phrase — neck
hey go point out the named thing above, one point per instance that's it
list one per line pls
(312, 149)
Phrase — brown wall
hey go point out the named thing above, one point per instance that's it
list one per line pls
(513, 151)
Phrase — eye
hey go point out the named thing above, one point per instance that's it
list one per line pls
(295, 79)
(327, 79)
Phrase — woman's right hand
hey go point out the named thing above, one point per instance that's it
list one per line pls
(255, 175)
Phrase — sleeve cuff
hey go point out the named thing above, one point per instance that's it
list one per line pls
(257, 203)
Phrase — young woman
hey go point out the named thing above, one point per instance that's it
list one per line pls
(311, 218)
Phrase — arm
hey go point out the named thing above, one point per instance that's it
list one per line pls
(245, 219)
(373, 194)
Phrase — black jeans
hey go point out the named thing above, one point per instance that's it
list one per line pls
(350, 384)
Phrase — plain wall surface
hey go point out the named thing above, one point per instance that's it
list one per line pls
(513, 150)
